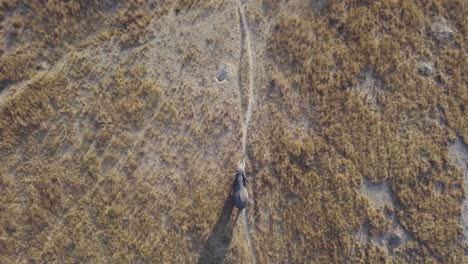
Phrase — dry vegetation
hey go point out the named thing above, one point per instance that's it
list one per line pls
(99, 162)
(317, 61)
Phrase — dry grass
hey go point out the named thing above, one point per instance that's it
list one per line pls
(100, 162)
(320, 58)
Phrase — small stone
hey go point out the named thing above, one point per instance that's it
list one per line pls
(425, 68)
(441, 31)
(222, 75)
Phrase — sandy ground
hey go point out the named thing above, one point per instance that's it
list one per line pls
(459, 154)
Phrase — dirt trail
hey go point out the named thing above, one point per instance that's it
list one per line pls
(251, 101)
(248, 112)
(458, 153)
(21, 86)
(247, 235)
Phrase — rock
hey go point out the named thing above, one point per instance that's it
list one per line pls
(441, 31)
(425, 68)
(221, 75)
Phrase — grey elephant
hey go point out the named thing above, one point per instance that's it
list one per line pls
(239, 188)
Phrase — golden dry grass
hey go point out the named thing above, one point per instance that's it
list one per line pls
(99, 162)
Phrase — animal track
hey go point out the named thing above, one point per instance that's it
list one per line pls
(458, 153)
(248, 112)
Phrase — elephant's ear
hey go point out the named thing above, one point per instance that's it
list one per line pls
(244, 178)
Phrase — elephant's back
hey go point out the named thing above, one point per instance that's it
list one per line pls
(241, 198)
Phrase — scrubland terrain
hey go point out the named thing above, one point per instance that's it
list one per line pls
(122, 122)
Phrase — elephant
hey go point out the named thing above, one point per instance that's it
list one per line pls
(239, 188)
